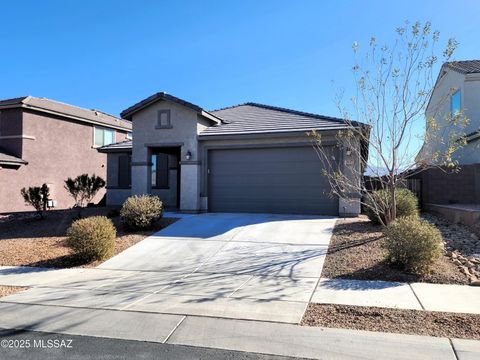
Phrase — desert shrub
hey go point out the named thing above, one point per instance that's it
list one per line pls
(413, 244)
(37, 196)
(407, 204)
(92, 238)
(141, 212)
(84, 188)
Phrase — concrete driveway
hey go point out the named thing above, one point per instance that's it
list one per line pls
(241, 266)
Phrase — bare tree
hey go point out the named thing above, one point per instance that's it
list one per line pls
(393, 87)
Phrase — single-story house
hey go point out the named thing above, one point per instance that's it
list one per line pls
(243, 158)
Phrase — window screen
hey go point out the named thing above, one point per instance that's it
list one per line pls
(124, 171)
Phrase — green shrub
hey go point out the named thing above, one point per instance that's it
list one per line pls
(407, 204)
(141, 212)
(413, 244)
(92, 238)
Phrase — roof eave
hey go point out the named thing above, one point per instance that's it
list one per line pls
(58, 113)
(288, 132)
(128, 113)
(13, 162)
(211, 117)
(117, 149)
(99, 123)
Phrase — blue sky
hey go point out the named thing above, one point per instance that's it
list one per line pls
(110, 54)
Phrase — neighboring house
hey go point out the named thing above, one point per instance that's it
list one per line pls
(245, 158)
(45, 141)
(457, 89)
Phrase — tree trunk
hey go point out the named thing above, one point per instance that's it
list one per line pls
(393, 200)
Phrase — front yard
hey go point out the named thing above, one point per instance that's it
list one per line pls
(357, 251)
(413, 322)
(28, 241)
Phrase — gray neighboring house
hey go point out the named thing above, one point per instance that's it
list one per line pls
(244, 158)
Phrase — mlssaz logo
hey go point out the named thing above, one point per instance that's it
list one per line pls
(53, 344)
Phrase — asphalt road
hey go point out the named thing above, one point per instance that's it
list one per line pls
(22, 344)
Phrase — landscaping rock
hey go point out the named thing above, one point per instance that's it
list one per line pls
(461, 243)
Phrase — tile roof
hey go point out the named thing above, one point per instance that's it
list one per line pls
(6, 158)
(251, 118)
(127, 113)
(119, 146)
(62, 109)
(465, 66)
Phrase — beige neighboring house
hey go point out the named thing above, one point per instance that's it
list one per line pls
(457, 89)
(45, 141)
(245, 158)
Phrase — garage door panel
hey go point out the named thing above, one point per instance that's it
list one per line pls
(269, 181)
(278, 180)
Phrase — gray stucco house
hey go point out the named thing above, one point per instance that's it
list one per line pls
(244, 158)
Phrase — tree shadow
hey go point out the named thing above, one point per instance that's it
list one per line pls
(381, 271)
(354, 284)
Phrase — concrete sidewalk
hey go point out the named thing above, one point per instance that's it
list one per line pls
(238, 335)
(417, 296)
(34, 276)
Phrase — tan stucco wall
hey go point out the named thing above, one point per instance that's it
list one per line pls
(186, 124)
(61, 149)
(440, 105)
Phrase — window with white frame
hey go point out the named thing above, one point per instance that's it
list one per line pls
(103, 137)
(129, 135)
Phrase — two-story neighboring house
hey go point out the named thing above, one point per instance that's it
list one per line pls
(244, 158)
(45, 141)
(457, 89)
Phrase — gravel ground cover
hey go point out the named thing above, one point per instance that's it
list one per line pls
(9, 290)
(414, 322)
(26, 240)
(357, 251)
